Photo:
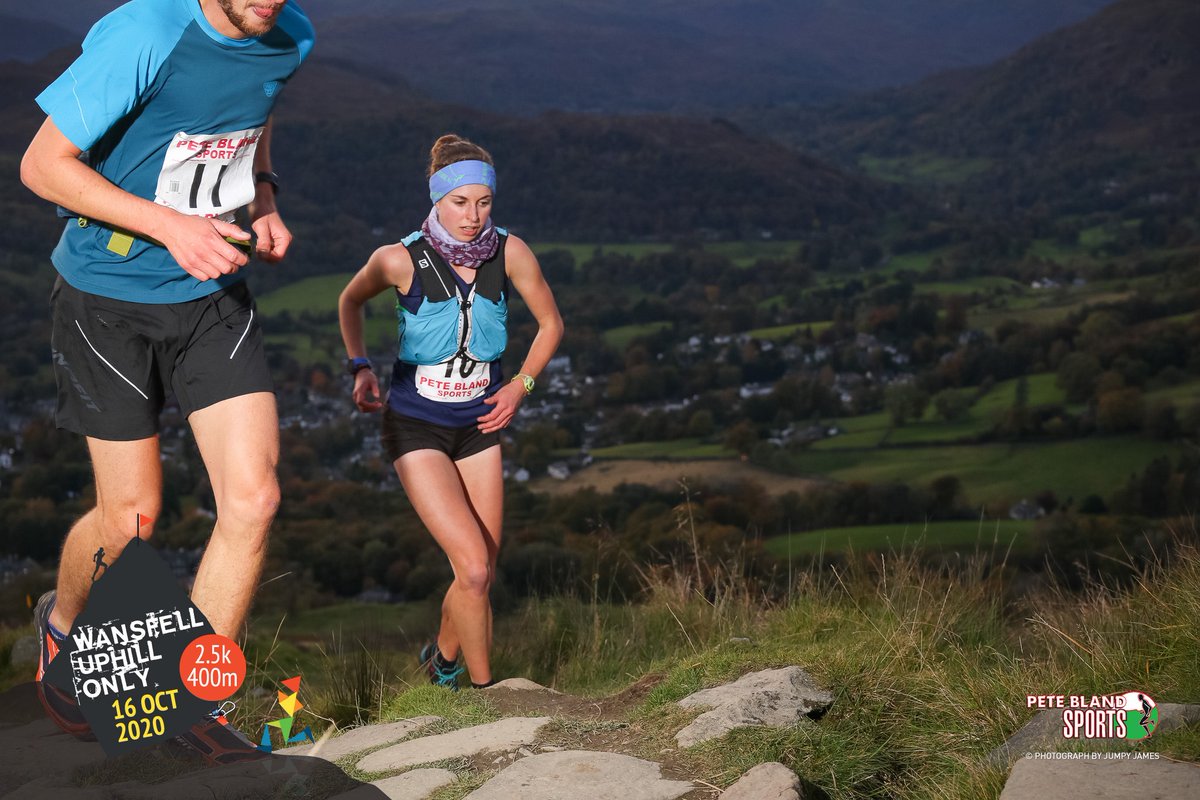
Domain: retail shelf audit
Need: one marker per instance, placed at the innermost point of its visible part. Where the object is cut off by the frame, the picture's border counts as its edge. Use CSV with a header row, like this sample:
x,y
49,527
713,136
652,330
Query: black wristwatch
x,y
357,364
267,177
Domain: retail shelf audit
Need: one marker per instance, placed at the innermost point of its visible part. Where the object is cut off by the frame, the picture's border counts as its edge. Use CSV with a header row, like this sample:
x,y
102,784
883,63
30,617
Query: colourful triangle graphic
x,y
291,705
285,725
265,744
283,697
278,723
293,683
304,734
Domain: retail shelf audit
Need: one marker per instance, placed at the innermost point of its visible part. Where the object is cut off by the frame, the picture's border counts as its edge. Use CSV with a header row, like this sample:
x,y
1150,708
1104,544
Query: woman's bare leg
x,y
443,493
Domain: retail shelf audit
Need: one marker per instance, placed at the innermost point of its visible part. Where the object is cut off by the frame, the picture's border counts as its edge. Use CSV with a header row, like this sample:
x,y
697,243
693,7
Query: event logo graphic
x,y
1132,716
141,661
291,704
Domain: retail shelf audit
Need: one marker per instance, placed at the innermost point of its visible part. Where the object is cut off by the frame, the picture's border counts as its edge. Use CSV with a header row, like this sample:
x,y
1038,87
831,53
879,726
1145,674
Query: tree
x,y
700,424
905,401
741,437
944,493
1161,420
1077,375
1120,410
952,404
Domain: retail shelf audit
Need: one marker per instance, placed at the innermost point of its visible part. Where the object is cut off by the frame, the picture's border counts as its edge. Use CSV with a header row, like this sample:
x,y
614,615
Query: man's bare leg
x,y
128,482
239,441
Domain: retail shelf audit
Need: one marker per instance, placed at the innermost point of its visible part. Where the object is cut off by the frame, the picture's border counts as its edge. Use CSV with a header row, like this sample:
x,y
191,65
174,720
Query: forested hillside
x,y
997,321
621,56
1102,115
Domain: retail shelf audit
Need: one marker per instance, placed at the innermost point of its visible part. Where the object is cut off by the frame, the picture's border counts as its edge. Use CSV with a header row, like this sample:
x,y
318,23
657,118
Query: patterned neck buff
x,y
465,254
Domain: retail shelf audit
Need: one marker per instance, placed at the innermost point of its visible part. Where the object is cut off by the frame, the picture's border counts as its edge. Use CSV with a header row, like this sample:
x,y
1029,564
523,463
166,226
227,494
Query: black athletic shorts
x,y
116,361
403,434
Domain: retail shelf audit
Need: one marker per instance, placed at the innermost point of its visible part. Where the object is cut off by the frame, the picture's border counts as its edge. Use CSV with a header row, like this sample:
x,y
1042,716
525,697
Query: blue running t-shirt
x,y
170,110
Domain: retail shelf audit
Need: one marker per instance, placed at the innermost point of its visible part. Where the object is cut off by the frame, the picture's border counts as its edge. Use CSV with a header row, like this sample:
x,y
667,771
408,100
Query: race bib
x,y
209,175
458,380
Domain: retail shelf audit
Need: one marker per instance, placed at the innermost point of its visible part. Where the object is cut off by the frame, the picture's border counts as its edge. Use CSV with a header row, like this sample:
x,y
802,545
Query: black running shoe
x,y
59,705
218,742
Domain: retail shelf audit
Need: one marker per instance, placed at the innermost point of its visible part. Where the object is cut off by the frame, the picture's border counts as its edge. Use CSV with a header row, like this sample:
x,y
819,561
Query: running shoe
x,y
218,742
439,675
41,626
60,706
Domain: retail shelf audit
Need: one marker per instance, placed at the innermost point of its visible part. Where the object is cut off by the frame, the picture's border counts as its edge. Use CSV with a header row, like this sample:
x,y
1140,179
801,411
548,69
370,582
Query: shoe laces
x,y
447,677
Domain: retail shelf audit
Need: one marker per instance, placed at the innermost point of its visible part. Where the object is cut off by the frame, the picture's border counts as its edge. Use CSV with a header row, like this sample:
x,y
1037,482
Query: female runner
x,y
448,400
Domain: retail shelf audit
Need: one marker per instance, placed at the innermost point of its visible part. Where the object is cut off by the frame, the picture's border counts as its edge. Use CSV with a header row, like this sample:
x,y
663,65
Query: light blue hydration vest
x,y
452,335
448,324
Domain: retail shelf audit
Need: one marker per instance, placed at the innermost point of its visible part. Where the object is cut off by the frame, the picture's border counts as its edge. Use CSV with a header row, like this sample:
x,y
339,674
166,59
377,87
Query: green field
x,y
315,295
782,332
620,338
1183,395
676,448
985,283
744,254
319,296
952,534
998,472
741,253
1042,309
924,168
583,252
322,342
870,430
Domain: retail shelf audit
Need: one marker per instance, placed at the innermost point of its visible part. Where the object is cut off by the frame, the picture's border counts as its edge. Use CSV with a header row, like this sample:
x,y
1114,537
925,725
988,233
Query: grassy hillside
x,y
929,669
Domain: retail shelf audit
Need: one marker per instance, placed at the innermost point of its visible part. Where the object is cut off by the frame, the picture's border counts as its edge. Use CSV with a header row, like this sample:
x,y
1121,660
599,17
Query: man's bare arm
x,y
273,236
51,169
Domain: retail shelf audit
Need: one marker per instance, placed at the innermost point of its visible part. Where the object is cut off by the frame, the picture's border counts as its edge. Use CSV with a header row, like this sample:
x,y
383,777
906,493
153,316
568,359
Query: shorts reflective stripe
x,y
105,360
243,336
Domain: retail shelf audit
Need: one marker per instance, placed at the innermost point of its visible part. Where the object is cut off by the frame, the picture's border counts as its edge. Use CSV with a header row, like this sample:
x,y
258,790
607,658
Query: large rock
x,y
770,781
359,740
507,734
1102,779
770,698
25,652
270,777
583,774
40,750
1044,733
415,785
522,685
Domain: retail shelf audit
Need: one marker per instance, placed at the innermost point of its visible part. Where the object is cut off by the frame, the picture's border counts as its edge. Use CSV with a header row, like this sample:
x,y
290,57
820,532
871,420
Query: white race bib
x,y
457,381
210,174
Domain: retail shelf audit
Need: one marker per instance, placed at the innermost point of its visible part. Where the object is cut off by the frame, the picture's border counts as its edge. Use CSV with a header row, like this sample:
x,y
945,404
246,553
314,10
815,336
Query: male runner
x,y
155,136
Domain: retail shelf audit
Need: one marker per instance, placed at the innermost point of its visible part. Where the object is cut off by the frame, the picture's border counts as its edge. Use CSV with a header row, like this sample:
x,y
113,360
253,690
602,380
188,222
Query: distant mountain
x,y
654,55
561,175
71,15
30,39
1106,107
352,149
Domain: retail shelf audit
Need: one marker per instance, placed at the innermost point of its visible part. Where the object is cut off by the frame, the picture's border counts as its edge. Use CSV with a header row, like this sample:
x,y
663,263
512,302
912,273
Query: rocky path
x,y
539,758
552,746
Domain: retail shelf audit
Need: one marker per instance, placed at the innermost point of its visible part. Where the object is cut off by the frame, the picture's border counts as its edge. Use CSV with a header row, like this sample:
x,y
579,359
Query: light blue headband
x,y
461,173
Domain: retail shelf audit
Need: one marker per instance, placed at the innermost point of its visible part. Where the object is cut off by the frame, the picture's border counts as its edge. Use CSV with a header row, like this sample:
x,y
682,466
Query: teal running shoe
x,y
440,672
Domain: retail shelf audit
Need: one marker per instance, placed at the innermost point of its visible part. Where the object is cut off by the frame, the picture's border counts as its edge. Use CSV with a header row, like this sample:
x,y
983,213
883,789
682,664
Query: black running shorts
x,y
116,361
403,434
